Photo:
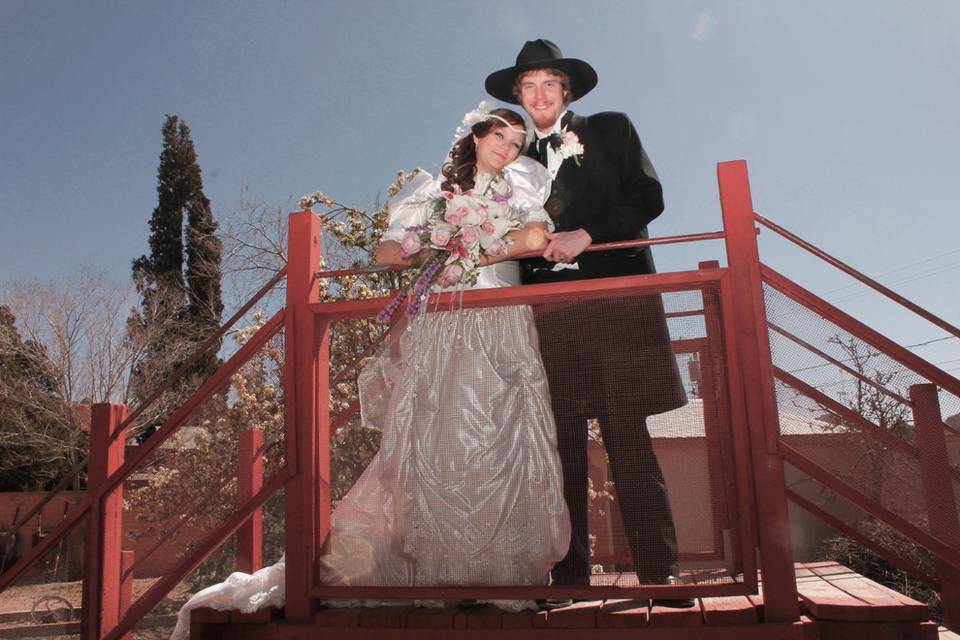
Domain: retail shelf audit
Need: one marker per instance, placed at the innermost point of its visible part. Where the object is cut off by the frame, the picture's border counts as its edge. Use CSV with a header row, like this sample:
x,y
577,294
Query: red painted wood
x,y
846,322
608,246
728,610
848,415
431,618
532,593
388,617
870,282
853,373
736,394
126,586
901,563
487,617
554,292
624,614
783,631
524,619
337,617
249,481
761,405
579,615
142,452
102,568
254,617
824,601
938,492
214,540
825,477
839,630
306,385
214,338
673,617
717,428
883,605
200,618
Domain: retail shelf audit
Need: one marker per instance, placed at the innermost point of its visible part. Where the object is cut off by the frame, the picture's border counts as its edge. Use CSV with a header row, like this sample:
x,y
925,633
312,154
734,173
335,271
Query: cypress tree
x,y
189,305
204,253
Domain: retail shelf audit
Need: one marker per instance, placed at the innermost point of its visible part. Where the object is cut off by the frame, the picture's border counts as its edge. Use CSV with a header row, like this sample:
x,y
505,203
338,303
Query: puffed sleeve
x,y
531,188
411,205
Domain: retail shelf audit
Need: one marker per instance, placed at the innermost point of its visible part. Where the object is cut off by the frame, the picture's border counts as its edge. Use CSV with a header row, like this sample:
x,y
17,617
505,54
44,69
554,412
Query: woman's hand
x,y
531,238
390,254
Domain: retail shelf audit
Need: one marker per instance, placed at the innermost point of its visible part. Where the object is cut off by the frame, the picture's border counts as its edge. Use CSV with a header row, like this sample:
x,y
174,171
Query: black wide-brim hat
x,y
542,54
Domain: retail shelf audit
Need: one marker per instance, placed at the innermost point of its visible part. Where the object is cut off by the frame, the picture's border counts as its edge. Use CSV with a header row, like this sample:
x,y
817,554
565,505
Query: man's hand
x,y
565,246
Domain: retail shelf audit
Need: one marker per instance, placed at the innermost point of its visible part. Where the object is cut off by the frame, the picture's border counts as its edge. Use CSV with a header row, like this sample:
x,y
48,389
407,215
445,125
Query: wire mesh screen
x,y
854,523
844,406
583,443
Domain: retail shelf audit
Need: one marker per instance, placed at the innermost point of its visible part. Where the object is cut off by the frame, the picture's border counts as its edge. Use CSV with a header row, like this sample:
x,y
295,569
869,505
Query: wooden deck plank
x,y
623,614
884,607
381,617
890,594
337,617
579,615
827,602
430,618
728,610
782,631
485,617
205,615
523,619
674,617
256,617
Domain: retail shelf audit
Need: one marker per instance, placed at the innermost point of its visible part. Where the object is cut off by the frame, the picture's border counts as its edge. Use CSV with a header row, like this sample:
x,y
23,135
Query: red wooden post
x,y
716,418
249,482
760,403
126,586
306,388
938,493
102,570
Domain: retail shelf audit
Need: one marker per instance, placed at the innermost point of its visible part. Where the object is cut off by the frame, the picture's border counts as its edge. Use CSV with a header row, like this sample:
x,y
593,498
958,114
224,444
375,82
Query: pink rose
x,y
451,275
496,248
454,216
487,227
470,235
440,236
410,245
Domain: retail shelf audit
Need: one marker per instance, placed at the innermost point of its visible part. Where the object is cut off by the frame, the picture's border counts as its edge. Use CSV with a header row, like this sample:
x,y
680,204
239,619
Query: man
x,y
608,359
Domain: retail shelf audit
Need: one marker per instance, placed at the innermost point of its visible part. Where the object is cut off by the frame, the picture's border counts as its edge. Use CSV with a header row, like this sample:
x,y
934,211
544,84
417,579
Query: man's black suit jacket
x,y
613,194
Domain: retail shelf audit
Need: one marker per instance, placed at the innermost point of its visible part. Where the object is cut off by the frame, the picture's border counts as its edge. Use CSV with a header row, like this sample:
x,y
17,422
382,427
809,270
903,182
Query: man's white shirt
x,y
554,160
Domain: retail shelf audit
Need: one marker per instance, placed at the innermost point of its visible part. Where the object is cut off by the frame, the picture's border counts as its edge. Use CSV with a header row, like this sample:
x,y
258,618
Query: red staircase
x,y
769,421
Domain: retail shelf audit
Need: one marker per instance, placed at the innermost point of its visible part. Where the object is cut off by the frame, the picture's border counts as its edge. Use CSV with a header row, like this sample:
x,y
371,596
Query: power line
x,y
935,271
898,269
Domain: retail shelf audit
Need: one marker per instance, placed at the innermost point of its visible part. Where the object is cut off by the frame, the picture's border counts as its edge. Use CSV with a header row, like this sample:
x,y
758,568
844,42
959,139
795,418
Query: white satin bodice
x,y
530,185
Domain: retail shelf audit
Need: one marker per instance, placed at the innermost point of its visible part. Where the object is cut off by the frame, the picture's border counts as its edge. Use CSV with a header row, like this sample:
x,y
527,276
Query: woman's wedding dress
x,y
466,488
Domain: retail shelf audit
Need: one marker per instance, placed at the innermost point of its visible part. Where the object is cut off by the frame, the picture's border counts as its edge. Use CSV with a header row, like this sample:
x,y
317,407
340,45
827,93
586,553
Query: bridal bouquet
x,y
463,227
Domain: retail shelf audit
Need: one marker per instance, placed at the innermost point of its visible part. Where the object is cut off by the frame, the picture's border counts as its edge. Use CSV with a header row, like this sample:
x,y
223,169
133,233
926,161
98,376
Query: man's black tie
x,y
542,150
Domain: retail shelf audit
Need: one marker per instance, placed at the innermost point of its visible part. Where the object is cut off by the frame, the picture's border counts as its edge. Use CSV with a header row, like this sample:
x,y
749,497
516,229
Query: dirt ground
x,y
59,602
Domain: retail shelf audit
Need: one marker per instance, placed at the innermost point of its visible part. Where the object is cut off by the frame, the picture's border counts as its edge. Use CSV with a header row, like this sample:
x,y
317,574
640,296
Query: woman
x,y
466,488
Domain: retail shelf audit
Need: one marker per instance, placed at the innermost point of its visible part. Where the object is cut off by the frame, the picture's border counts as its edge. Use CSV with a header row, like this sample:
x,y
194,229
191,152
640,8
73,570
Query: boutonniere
x,y
567,144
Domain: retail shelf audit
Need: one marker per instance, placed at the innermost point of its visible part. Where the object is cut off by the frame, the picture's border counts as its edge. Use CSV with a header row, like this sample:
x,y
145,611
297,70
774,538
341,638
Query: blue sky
x,y
845,111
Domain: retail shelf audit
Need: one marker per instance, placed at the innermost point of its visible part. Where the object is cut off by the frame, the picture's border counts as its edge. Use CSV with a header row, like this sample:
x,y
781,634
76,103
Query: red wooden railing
x,y
736,316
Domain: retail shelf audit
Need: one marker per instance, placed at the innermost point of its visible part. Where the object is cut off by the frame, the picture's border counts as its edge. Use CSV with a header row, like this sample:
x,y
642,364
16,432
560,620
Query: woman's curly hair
x,y
461,170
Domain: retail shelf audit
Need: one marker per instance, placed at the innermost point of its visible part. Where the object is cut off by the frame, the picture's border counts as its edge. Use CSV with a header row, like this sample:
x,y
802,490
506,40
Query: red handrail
x,y
605,246
153,397
173,422
865,279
